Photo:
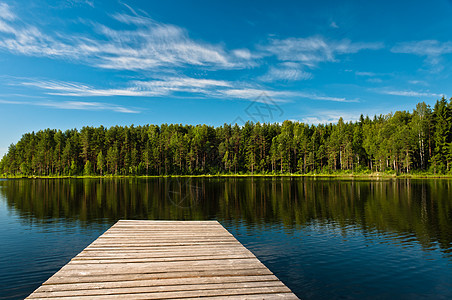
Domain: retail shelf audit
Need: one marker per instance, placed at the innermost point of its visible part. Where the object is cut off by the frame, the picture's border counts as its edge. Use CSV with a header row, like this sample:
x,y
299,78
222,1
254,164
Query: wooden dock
x,y
164,260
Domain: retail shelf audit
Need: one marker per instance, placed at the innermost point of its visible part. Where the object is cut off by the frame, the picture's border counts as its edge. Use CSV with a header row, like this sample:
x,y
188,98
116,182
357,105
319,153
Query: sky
x,y
74,63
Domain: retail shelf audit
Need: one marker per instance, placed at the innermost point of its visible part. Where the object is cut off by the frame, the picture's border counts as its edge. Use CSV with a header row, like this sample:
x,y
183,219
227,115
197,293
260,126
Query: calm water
x,y
325,239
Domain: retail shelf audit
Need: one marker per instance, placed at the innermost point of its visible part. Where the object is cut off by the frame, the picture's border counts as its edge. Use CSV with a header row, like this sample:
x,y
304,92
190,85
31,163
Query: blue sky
x,y
68,64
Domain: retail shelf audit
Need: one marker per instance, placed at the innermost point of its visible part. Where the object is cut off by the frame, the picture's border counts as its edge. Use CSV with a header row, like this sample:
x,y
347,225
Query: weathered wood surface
x,y
164,260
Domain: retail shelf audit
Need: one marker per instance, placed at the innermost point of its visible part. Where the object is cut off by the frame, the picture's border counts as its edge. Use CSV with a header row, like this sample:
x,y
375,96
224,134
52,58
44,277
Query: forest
x,y
396,143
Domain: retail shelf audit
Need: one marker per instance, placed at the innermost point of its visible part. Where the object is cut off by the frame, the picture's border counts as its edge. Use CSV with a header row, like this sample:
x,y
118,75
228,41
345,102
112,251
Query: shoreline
x,y
335,176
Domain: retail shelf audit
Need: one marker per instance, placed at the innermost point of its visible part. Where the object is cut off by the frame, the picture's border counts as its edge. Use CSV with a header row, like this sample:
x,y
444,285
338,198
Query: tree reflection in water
x,y
397,208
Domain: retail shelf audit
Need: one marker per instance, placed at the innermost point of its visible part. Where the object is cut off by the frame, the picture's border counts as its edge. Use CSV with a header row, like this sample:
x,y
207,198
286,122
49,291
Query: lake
x,y
324,238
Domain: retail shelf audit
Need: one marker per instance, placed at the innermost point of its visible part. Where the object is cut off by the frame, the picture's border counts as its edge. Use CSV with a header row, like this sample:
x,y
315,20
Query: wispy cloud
x,y
148,45
242,53
183,83
431,49
374,77
255,93
288,71
313,50
6,13
418,82
75,105
20,38
326,117
79,2
171,85
218,89
424,48
81,90
152,44
82,105
368,74
409,93
150,88
281,96
374,80
328,98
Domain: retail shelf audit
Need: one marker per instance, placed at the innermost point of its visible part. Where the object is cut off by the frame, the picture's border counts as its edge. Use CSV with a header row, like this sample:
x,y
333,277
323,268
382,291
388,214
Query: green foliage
x,y
399,143
87,170
100,162
74,168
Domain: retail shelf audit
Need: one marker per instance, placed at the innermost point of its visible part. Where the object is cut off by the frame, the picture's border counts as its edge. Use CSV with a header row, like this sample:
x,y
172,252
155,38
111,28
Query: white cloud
x,y
29,40
202,87
368,74
333,25
80,90
170,85
346,46
147,45
166,86
313,50
75,3
10,102
242,53
182,84
424,48
6,13
418,82
328,98
255,93
135,19
326,117
82,105
286,72
431,49
151,45
151,88
280,96
410,93
75,105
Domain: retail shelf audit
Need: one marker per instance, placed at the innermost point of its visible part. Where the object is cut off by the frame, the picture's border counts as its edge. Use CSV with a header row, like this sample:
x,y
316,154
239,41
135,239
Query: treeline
x,y
402,142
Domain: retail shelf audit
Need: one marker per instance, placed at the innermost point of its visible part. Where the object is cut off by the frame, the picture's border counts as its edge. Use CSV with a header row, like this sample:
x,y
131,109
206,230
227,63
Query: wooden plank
x,y
60,278
162,253
157,254
161,244
112,260
169,264
272,296
166,236
94,291
154,282
252,297
186,247
143,239
169,231
173,249
166,222
127,294
138,259
99,270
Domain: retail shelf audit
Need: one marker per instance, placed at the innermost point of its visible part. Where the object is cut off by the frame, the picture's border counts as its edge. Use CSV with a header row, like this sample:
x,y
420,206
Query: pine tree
x,y
100,162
